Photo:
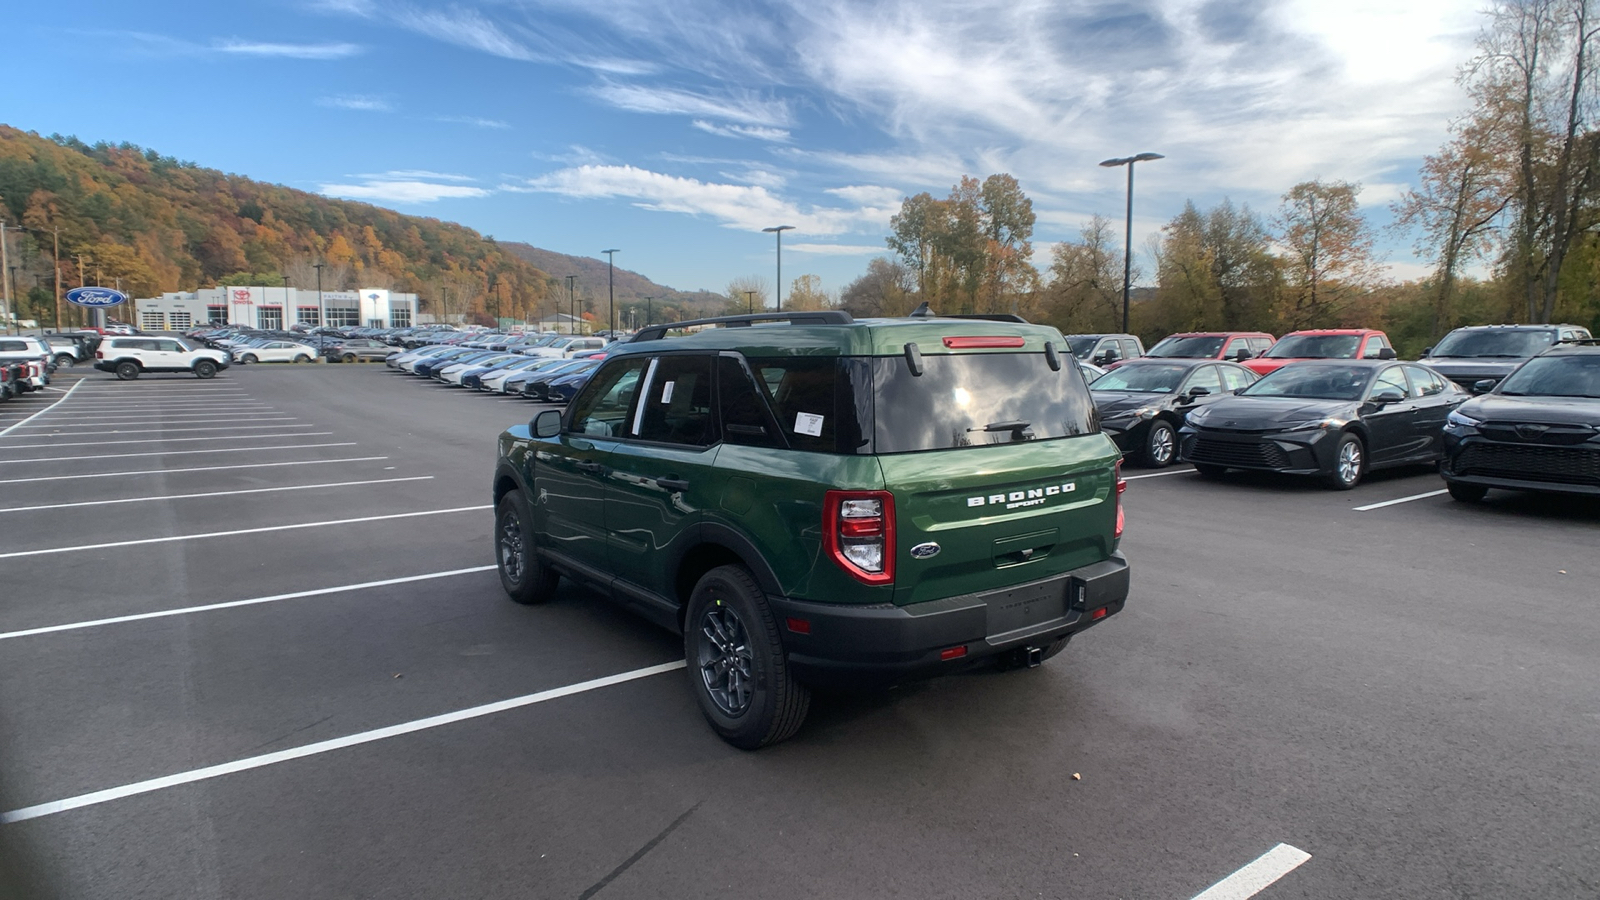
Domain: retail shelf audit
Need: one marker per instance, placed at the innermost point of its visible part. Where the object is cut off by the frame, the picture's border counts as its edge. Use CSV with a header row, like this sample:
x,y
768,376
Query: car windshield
x,y
1315,346
1187,348
1313,383
1493,344
1555,376
1083,345
1150,379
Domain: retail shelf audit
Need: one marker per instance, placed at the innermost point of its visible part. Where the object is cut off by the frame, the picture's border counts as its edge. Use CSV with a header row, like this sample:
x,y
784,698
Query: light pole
x,y
322,312
647,311
778,230
572,304
1127,240
611,290
750,300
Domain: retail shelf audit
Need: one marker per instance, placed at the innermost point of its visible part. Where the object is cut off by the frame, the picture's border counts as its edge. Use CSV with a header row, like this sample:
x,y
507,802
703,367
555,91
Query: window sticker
x,y
666,392
806,423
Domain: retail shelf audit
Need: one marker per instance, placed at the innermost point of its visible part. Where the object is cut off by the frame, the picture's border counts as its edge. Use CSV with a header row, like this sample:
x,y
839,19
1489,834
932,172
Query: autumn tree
x,y
1328,262
1214,270
747,292
1085,291
884,290
806,295
972,250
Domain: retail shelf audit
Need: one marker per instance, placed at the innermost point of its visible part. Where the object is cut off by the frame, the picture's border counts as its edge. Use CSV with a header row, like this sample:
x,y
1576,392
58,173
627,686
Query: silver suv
x,y
130,357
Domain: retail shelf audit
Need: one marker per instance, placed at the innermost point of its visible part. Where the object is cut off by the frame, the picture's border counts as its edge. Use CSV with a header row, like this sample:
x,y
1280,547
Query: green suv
x,y
813,500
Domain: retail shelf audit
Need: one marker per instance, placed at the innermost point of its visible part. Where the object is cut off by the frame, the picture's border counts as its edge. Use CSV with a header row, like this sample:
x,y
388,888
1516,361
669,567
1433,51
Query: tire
x,y
1209,470
1349,463
737,668
247,359
301,358
205,368
1466,493
525,577
1160,445
127,371
348,357
65,361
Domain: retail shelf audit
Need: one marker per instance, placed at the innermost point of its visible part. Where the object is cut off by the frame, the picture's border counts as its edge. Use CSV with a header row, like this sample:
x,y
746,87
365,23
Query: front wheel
x,y
127,371
65,361
1160,445
348,357
247,359
525,577
205,368
1466,493
1349,462
301,358
737,668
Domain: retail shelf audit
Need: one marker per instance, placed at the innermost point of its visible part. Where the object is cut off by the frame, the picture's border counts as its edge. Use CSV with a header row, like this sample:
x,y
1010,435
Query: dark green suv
x,y
815,500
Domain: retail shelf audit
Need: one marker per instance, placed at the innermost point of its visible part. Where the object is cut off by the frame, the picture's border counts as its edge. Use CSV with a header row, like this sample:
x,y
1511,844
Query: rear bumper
x,y
850,646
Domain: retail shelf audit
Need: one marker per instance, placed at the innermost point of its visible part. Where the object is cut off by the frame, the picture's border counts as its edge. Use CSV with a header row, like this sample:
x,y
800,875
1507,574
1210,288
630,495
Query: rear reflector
x,y
798,626
983,341
953,652
1098,614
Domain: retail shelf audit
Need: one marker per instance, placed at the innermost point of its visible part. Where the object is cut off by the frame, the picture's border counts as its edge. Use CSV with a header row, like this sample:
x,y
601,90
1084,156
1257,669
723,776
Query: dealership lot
x,y
252,644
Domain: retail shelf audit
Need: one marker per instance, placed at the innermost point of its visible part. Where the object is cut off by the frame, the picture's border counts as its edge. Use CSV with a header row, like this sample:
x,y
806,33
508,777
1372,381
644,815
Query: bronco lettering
x,y
1020,499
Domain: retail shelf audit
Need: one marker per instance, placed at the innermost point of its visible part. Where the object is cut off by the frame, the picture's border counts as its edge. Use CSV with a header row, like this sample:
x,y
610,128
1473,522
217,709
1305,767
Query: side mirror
x,y
546,424
1243,354
1483,386
1196,392
1426,351
1386,353
1388,395
1101,359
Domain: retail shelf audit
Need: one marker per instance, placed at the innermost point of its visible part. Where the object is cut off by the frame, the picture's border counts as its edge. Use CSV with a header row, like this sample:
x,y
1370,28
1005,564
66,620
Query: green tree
x,y
1085,291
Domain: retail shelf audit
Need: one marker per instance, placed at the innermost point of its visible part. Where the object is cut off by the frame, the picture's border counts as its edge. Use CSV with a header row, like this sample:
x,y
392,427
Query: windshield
x,y
1187,348
1313,383
1493,344
1555,376
1083,345
1315,346
1157,379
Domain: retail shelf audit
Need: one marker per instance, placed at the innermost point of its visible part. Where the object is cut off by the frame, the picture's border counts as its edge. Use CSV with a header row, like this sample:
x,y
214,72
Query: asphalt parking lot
x,y
252,645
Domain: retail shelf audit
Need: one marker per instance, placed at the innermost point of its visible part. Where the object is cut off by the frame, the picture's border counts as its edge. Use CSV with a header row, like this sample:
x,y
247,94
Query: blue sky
x,y
677,130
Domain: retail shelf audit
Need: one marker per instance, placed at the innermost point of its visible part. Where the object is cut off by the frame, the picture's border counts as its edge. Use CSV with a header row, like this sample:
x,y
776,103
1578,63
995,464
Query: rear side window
x,y
975,400
1424,382
1130,350
13,346
678,408
821,403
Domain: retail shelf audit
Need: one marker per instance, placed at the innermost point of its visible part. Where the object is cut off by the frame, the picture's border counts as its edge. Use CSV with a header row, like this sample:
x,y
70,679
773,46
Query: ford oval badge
x,y
925,551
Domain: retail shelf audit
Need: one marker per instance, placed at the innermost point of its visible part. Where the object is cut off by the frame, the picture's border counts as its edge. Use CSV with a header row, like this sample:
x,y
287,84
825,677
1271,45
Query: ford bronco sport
x,y
811,499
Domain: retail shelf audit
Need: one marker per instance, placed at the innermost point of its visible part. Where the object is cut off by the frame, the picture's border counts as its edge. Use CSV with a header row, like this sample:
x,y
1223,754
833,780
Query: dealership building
x,y
275,308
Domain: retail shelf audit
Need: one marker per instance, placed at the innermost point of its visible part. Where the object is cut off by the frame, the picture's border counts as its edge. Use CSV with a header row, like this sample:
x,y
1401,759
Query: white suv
x,y
32,353
130,357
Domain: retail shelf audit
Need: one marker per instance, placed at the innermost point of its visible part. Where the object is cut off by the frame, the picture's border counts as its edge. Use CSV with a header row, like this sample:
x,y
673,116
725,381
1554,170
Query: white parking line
x,y
41,412
120,410
1401,500
220,437
365,737
238,531
1257,875
177,420
1158,474
270,490
166,430
231,604
301,462
53,459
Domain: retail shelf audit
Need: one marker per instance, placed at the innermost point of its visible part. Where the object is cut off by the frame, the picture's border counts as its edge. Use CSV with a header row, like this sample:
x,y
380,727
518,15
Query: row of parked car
x,y
547,368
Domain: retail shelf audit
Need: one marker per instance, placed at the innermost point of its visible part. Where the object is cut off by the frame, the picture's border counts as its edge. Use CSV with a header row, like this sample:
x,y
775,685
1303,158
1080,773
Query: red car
x,y
1236,346
1324,343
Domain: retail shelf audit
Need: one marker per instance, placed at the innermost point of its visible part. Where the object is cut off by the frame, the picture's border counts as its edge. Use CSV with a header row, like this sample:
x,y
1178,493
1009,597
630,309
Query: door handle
x,y
672,484
593,468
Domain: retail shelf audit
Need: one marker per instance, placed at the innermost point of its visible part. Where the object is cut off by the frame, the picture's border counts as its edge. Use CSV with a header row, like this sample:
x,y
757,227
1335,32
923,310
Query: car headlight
x,y
1309,424
1461,420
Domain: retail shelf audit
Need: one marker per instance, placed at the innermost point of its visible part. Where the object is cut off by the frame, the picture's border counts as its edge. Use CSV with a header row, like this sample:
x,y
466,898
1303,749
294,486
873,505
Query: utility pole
x,y
750,299
83,281
322,312
5,261
647,311
611,290
572,304
56,281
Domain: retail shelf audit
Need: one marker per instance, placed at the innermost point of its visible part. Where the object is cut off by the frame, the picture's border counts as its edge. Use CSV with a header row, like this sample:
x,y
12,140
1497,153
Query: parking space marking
x,y
1158,474
154,430
220,437
270,490
271,465
232,604
365,737
1257,875
178,420
52,459
41,412
1425,496
119,409
140,542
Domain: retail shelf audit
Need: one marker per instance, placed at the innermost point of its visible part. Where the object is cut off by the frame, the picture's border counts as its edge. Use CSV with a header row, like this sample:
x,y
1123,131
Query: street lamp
x,y
322,312
647,310
750,298
572,305
611,291
1127,241
778,230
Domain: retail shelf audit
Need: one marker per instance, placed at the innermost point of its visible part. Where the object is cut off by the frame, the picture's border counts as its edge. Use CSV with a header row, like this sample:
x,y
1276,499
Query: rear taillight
x,y
99,354
1121,486
858,531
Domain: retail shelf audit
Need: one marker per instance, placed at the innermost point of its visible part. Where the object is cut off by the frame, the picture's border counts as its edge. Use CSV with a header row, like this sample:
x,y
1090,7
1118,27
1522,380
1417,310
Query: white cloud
x,y
464,28
290,51
742,131
409,174
838,249
402,191
868,195
474,121
739,106
356,102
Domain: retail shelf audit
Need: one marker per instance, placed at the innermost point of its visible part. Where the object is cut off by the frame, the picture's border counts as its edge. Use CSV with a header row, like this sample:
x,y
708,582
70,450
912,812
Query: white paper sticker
x,y
806,423
666,392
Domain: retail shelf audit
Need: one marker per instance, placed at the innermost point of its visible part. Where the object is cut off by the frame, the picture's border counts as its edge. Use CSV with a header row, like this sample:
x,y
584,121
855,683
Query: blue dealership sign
x,y
96,296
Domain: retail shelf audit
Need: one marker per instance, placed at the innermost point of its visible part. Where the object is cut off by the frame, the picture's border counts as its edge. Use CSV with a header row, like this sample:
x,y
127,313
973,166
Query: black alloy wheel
x,y
205,368
737,668
523,575
127,371
1160,445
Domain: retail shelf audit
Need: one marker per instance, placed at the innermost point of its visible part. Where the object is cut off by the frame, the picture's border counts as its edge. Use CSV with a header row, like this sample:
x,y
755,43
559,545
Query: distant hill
x,y
631,287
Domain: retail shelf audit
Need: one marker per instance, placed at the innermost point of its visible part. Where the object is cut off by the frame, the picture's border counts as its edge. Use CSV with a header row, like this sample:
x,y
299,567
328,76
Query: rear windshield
x,y
1315,346
863,405
1187,348
1494,344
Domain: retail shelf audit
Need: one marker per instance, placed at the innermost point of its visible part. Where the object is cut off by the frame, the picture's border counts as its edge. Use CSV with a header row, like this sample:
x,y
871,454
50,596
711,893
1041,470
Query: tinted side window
x,y
1234,346
678,408
12,346
602,408
1260,345
744,418
169,346
1130,350
1205,377
814,402
1424,382
1375,345
1234,377
1391,377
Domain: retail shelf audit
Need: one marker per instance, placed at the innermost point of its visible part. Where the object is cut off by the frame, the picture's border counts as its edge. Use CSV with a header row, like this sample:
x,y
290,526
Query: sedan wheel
x,y
247,359
1349,460
1161,445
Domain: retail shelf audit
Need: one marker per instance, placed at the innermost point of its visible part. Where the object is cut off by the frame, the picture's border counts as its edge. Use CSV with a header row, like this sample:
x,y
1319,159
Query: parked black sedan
x,y
1538,430
1337,419
1142,402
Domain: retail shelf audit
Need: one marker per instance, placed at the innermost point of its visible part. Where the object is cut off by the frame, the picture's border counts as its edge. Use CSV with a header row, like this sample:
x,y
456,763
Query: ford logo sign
x,y
96,296
925,551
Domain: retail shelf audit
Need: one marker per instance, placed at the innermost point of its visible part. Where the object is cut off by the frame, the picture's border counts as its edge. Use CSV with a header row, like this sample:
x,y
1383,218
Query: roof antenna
x,y
923,312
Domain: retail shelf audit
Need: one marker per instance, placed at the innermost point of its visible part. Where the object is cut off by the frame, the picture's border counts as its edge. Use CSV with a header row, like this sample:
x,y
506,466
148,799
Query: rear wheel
x,y
1349,462
247,359
65,360
301,358
205,368
348,357
1160,445
127,371
1466,493
523,574
737,668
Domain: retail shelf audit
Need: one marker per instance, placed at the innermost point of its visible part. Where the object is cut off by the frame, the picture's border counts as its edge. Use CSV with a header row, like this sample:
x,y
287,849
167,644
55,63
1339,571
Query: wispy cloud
x,y
838,249
474,121
404,174
465,28
405,187
290,51
756,132
737,106
359,102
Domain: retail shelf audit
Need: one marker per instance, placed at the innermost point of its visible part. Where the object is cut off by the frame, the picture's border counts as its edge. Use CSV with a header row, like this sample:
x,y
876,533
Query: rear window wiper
x,y
1017,427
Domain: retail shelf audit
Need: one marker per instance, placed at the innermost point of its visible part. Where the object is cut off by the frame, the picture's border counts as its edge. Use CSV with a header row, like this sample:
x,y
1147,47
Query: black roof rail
x,y
988,317
820,317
